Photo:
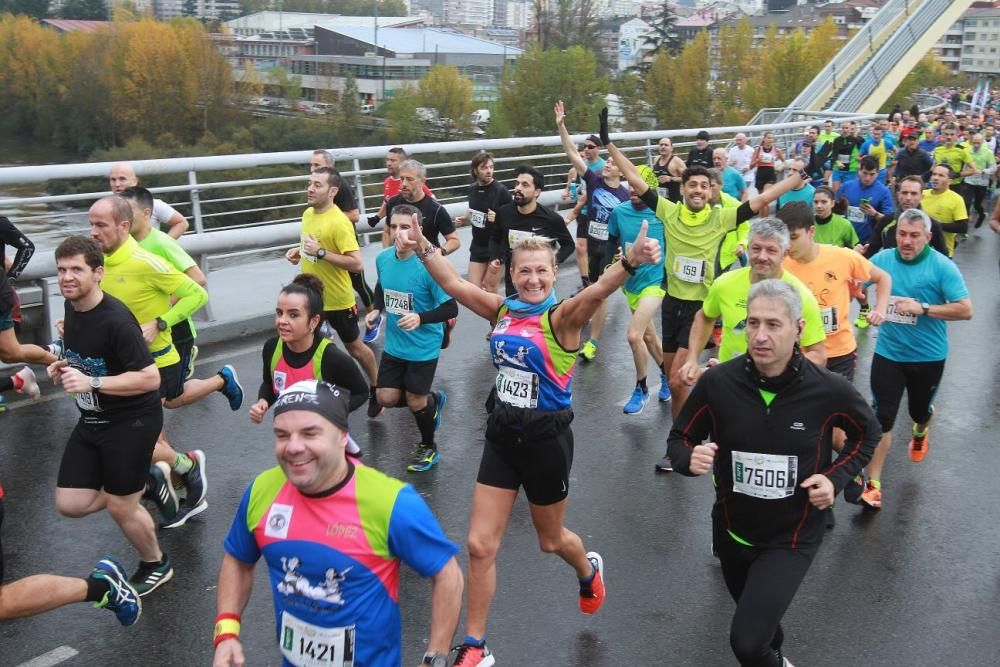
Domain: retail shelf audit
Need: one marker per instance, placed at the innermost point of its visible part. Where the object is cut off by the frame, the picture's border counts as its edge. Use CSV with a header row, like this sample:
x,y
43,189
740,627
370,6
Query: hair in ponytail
x,y
311,288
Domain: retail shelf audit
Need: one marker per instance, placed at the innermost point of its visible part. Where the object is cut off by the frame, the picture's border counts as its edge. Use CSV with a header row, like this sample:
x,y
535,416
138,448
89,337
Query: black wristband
x,y
629,269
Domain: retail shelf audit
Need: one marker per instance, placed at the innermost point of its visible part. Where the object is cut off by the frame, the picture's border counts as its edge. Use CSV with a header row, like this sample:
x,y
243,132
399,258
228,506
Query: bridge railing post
x,y
199,225
359,193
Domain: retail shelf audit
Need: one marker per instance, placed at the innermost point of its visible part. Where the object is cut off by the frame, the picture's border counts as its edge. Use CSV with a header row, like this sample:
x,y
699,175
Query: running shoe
x,y
449,325
162,490
195,479
854,489
150,576
664,464
589,350
372,333
424,458
637,401
592,593
57,348
3,405
871,498
231,387
439,403
374,409
918,446
186,511
473,655
664,389
862,322
121,598
190,369
29,385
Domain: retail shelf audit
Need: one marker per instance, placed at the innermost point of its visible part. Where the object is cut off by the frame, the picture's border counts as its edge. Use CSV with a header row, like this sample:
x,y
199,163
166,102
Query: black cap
x,y
329,401
702,135
595,140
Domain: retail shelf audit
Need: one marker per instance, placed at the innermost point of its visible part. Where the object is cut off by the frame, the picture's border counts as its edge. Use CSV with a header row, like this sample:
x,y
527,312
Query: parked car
x,y
367,108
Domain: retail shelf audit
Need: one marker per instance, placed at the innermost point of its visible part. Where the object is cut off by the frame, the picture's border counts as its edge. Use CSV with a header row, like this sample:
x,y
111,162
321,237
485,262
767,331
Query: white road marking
x,y
201,361
53,657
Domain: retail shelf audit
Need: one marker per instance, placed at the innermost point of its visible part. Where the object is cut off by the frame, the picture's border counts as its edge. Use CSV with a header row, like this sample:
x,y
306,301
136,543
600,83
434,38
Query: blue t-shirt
x,y
408,288
601,200
804,194
932,278
596,166
626,221
733,183
878,197
334,561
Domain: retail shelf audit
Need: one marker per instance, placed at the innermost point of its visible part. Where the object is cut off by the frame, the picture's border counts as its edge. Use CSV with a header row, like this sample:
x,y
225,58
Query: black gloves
x,y
605,139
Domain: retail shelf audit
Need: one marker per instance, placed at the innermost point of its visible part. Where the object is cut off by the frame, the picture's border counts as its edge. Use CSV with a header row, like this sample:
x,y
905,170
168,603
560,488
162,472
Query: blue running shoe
x,y
121,598
424,459
231,387
637,402
3,405
442,398
372,333
664,389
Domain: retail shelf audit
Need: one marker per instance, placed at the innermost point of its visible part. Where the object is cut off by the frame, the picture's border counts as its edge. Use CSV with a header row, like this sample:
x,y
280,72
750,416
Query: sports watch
x,y
96,382
321,253
160,324
927,308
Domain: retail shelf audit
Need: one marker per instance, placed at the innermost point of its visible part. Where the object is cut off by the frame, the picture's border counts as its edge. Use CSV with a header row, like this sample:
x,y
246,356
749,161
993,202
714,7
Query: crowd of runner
x,y
753,254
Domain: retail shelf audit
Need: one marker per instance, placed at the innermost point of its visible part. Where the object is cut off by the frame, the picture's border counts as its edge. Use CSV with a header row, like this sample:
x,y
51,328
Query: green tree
x,y
737,66
927,73
289,87
529,88
347,111
84,10
450,93
636,112
663,36
687,72
565,23
38,9
404,126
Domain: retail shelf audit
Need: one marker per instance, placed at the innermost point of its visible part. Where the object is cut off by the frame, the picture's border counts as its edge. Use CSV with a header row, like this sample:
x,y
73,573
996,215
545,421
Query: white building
x,y
210,9
468,12
270,21
630,48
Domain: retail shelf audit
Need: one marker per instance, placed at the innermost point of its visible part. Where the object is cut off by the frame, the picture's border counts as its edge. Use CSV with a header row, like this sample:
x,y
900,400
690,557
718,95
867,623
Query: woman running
x,y
299,353
534,344
832,227
765,160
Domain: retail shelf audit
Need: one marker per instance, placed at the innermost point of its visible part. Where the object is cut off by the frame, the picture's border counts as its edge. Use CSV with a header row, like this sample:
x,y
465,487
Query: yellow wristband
x,y
227,626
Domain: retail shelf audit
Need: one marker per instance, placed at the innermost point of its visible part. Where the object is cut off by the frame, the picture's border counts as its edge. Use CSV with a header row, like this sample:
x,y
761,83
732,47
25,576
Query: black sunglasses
x,y
589,147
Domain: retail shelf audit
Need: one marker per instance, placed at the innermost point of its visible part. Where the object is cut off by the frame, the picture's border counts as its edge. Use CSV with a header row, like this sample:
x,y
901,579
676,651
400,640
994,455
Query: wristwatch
x,y
927,308
436,659
160,324
321,253
96,382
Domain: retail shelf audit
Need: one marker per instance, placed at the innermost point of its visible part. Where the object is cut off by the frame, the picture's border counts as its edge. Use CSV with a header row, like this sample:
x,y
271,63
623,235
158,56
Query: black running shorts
x,y
920,379
582,225
414,377
539,462
479,252
172,377
114,456
844,365
676,318
345,323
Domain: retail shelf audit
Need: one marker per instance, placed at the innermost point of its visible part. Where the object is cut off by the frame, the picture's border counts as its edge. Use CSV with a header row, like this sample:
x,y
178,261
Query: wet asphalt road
x,y
917,584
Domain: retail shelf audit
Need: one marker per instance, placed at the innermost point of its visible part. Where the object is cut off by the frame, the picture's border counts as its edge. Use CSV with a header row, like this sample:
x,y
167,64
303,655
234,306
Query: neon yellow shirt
x,y
144,283
945,207
727,298
335,234
955,157
166,246
693,240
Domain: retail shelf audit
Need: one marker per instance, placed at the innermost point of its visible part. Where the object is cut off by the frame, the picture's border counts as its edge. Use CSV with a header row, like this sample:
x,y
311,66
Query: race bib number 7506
x,y
767,476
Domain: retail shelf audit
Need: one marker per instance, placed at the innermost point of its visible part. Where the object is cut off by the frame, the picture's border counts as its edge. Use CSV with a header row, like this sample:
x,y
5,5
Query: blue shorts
x,y
843,176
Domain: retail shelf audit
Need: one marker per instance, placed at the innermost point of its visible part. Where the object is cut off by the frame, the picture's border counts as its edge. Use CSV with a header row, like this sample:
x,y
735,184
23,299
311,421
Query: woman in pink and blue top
x,y
534,344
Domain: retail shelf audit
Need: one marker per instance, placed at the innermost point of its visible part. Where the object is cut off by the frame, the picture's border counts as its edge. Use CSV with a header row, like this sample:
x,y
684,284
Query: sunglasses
x,y
589,147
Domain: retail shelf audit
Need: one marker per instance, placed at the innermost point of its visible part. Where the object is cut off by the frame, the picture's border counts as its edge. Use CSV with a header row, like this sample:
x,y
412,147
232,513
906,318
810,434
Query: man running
x,y
802,193
770,416
123,176
605,191
417,308
843,153
525,218
700,154
486,196
669,169
391,187
329,249
946,206
732,180
108,367
927,291
333,535
910,195
740,155
437,220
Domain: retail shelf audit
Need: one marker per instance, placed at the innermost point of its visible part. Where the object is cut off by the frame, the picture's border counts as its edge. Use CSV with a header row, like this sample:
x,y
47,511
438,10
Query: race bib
x,y
689,270
598,230
280,381
766,476
766,159
87,400
477,218
398,303
830,319
518,388
302,250
307,645
892,315
844,161
662,192
515,236
855,215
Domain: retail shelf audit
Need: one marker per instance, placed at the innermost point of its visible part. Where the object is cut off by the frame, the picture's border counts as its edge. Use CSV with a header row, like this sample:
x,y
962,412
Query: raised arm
x,y
631,174
793,181
568,145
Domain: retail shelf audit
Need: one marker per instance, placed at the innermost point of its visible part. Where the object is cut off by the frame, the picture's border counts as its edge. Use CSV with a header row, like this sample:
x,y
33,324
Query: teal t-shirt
x,y
804,194
625,223
930,278
408,288
597,166
733,183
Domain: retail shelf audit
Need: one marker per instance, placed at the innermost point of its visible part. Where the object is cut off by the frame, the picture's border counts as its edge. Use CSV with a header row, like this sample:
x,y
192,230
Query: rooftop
x,y
425,40
271,20
72,25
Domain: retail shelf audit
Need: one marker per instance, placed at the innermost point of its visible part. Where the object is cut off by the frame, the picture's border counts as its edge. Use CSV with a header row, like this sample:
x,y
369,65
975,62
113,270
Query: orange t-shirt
x,y
830,277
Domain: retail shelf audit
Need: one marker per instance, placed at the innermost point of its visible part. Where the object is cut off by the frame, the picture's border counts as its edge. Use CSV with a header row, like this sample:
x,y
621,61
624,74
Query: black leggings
x,y
362,288
979,195
889,378
763,582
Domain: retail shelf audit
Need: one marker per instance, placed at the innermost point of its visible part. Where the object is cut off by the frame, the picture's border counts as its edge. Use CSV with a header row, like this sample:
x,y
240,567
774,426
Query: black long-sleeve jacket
x,y
727,407
12,236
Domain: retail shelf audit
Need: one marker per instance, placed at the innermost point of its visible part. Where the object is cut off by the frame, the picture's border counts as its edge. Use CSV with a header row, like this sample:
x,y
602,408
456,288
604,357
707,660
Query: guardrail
x,y
281,229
